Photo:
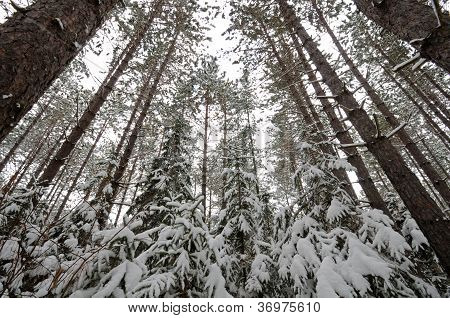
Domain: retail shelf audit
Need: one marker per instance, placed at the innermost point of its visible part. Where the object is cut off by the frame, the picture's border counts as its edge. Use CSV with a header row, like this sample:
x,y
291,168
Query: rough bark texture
x,y
432,221
437,181
96,103
409,21
27,67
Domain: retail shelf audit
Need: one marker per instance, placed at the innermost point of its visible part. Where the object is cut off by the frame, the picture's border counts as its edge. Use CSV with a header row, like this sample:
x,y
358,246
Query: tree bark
x,y
437,181
410,21
432,221
224,108
96,103
252,151
36,45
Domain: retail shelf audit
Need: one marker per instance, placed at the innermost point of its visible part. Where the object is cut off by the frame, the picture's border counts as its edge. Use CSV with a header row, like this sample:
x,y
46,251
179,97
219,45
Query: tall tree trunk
x,y
36,45
437,181
142,93
435,159
125,191
434,126
414,86
45,161
23,168
115,183
425,180
436,85
344,137
432,221
411,21
74,183
252,151
205,150
436,101
95,104
22,137
298,100
223,106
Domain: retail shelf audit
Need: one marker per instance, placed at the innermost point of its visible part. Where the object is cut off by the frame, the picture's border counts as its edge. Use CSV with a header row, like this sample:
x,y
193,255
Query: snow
x,y
336,210
108,236
10,249
215,283
111,281
329,283
60,23
71,243
108,189
387,238
411,228
77,45
13,207
154,286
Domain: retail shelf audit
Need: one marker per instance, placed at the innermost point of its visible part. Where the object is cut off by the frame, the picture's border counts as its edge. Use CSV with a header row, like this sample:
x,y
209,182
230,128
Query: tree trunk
x,y
130,176
438,182
205,150
436,85
430,187
45,161
434,126
223,105
435,159
298,100
95,104
344,137
143,92
411,21
23,168
36,45
252,151
80,172
137,128
414,87
432,221
22,137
